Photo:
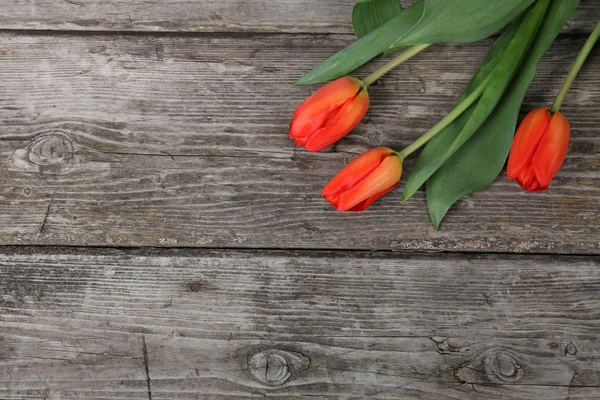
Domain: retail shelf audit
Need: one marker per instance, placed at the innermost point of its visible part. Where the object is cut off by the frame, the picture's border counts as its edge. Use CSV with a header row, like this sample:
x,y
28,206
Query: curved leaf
x,y
477,164
462,21
366,48
437,152
370,14
426,22
444,139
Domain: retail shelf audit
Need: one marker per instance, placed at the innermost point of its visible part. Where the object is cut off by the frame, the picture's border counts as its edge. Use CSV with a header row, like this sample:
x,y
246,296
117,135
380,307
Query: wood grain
x,y
287,16
180,141
174,134
189,324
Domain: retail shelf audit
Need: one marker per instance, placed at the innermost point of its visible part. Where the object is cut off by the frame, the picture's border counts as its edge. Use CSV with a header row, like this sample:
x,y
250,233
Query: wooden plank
x,y
134,140
177,324
290,16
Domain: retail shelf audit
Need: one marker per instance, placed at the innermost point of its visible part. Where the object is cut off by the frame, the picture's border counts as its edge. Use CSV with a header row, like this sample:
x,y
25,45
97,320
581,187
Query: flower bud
x,y
364,180
538,149
329,114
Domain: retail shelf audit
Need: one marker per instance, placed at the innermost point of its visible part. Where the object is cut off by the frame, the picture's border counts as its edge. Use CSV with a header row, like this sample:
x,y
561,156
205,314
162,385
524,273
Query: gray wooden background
x,y
161,238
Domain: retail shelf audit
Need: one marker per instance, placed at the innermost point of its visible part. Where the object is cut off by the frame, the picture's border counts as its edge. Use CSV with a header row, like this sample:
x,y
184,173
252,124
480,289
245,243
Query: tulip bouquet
x,y
467,149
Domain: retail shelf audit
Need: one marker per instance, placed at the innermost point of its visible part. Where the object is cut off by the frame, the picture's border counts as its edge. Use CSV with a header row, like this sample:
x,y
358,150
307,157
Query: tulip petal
x,y
337,91
526,141
356,170
363,205
552,149
339,123
528,180
304,125
386,175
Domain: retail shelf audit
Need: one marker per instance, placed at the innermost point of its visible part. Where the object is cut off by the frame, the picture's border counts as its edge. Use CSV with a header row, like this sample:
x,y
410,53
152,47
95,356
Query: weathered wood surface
x,y
180,139
183,141
290,16
194,324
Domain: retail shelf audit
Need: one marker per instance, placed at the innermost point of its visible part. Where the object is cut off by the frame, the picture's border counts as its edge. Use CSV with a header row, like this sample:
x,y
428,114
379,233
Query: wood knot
x,y
274,367
571,350
493,366
51,149
376,137
502,367
49,153
201,286
196,287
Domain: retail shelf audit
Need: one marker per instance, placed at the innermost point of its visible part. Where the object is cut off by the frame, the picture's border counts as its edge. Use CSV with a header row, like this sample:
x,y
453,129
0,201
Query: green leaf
x,y
445,138
479,162
366,48
370,14
426,22
445,144
463,21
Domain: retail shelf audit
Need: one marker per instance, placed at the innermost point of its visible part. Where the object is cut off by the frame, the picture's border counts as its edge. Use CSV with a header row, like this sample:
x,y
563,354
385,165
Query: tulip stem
x,y
447,120
408,54
585,52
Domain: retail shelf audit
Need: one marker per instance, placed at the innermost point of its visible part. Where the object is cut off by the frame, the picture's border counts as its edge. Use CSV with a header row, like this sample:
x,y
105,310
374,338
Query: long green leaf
x,y
441,148
463,21
428,21
366,48
371,14
477,164
445,138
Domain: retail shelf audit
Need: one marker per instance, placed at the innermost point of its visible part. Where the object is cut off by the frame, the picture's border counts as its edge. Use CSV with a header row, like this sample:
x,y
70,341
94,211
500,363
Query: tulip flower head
x,y
329,114
538,149
364,180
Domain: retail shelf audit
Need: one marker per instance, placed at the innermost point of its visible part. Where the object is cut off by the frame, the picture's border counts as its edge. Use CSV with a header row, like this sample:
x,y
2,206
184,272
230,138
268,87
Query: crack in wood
x,y
146,366
43,227
75,3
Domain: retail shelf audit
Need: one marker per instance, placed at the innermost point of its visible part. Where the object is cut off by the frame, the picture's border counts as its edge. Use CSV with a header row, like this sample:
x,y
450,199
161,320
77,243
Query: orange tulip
x,y
364,180
329,114
538,149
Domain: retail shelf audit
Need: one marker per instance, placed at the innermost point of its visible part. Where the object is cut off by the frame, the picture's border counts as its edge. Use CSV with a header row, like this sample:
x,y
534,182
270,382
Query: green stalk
x,y
585,52
447,120
408,54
